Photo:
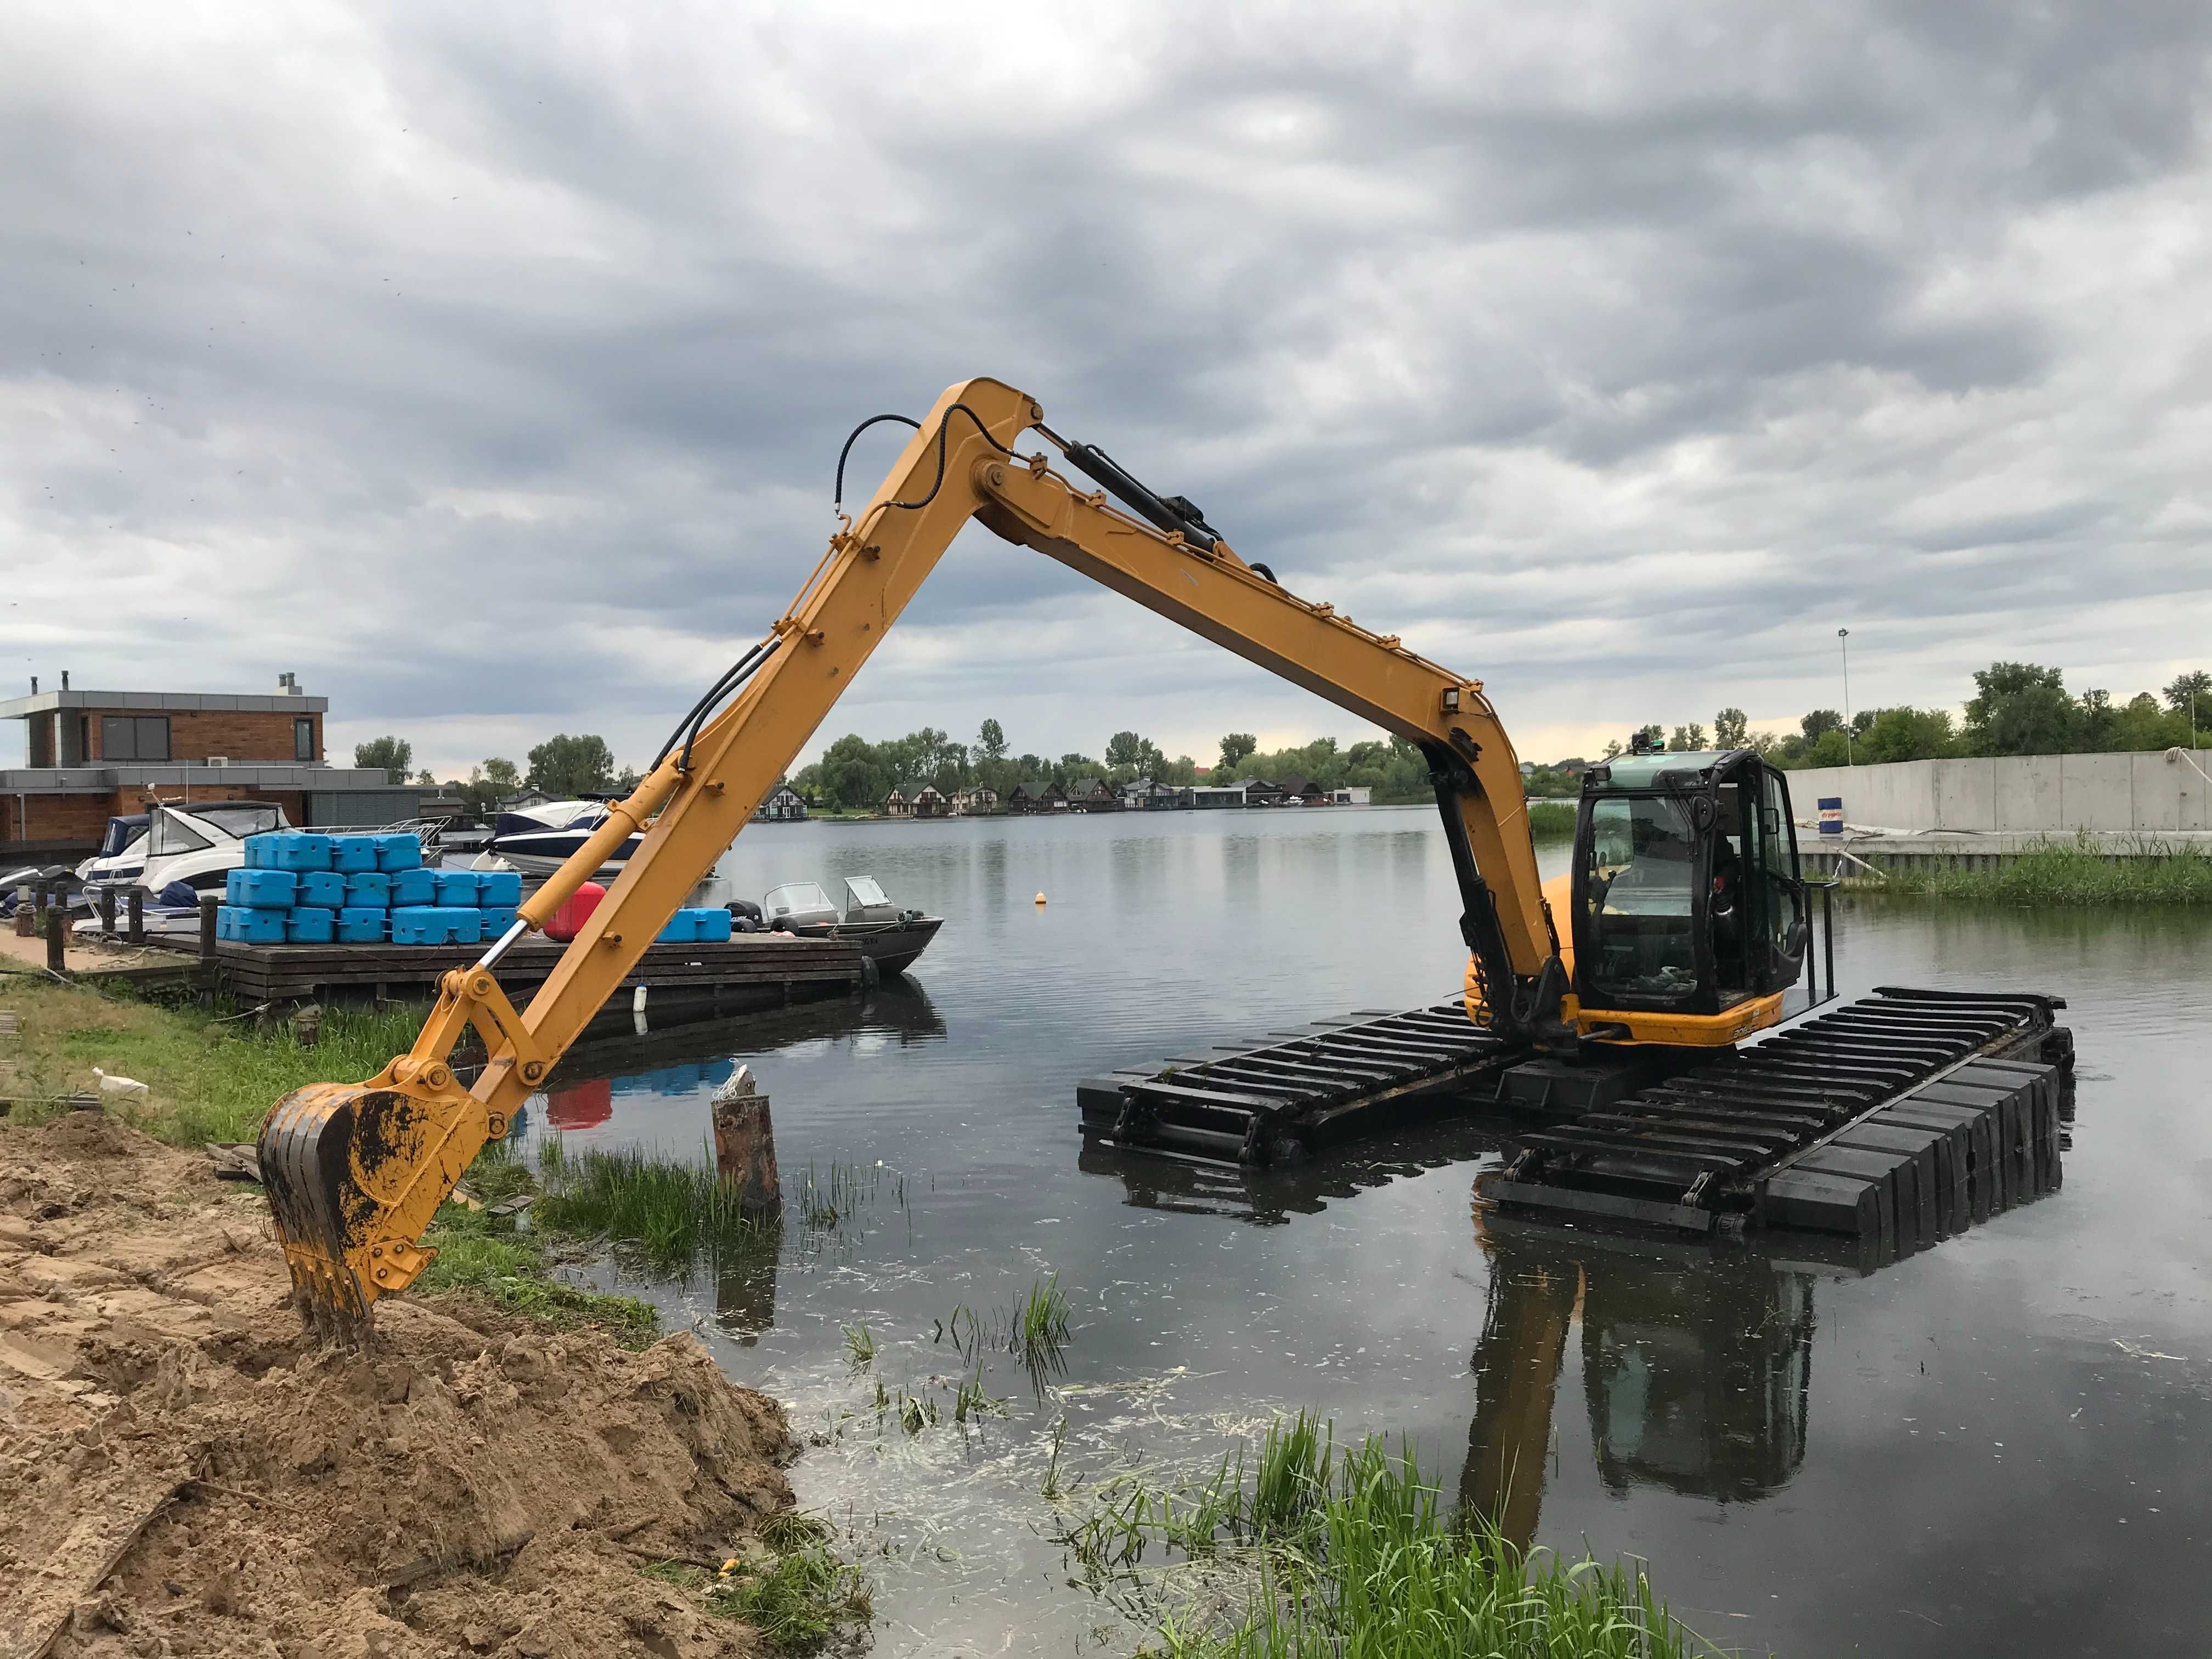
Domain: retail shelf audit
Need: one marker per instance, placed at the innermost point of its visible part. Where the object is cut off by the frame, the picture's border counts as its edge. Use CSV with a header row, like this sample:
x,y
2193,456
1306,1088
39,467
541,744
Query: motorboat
x,y
122,855
892,937
539,840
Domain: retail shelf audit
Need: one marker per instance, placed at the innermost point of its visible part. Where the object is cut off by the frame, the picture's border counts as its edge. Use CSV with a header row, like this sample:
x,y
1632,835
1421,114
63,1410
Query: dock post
x,y
136,925
209,904
744,1146
57,918
107,912
27,904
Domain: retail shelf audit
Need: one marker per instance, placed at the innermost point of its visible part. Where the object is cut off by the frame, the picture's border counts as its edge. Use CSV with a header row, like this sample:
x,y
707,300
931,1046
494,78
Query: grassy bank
x,y
2061,874
1349,1552
212,1076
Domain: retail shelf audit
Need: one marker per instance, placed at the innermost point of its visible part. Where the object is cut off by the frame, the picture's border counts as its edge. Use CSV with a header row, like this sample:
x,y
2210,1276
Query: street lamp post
x,y
1844,636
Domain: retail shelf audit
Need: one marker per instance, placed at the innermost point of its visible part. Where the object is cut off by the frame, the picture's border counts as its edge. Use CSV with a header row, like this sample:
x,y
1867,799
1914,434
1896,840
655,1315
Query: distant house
x,y
1204,795
1354,794
784,805
931,803
1258,792
896,805
1304,790
1093,795
1040,796
979,802
523,800
1146,796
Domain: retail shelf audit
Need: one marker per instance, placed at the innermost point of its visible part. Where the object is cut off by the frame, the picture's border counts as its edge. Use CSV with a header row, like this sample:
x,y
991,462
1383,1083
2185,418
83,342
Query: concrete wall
x,y
2039,794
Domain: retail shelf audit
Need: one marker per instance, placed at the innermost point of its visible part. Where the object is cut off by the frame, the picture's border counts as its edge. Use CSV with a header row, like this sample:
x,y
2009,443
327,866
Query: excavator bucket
x,y
354,1174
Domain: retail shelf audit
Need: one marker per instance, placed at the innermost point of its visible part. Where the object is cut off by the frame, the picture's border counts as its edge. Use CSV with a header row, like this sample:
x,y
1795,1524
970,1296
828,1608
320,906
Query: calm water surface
x,y
2000,1444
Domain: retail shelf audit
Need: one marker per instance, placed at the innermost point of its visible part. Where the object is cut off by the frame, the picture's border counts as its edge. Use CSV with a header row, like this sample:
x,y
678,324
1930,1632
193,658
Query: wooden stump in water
x,y
744,1146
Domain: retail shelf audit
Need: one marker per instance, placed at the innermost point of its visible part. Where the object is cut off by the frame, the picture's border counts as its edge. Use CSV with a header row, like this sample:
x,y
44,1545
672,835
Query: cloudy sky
x,y
486,365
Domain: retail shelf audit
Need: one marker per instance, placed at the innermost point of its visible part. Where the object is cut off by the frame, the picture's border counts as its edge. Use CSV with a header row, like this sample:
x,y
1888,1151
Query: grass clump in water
x,y
859,1346
1037,1327
1349,1554
2060,874
671,1213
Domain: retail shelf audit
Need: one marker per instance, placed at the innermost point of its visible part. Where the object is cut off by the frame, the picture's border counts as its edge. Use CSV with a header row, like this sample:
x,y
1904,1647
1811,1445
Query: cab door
x,y
1780,909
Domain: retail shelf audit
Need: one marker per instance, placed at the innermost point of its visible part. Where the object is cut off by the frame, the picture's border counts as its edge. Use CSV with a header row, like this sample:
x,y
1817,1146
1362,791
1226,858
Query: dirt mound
x,y
181,1473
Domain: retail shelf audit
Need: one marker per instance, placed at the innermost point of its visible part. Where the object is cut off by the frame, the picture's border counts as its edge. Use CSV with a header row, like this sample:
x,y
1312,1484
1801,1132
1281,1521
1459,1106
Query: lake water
x,y
2001,1444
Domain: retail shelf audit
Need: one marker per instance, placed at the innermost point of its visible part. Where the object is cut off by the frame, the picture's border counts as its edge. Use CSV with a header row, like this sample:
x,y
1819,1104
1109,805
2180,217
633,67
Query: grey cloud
x,y
1679,334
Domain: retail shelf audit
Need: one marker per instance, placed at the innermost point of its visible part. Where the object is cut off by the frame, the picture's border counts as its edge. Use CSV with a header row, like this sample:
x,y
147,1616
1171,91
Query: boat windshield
x,y
121,832
1639,889
798,898
241,818
864,890
171,833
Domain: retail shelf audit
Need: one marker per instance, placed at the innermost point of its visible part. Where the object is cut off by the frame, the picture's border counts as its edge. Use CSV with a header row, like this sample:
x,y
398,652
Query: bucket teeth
x,y
306,1165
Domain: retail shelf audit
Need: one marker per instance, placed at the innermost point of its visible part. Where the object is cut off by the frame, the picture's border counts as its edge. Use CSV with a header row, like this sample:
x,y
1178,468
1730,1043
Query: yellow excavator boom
x,y
355,1171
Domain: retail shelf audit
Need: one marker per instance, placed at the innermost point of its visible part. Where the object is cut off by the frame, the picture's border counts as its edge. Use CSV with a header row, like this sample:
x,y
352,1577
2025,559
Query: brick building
x,y
95,755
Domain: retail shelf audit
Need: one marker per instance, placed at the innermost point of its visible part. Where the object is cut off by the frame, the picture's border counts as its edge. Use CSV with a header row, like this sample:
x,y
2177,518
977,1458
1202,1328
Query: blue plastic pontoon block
x,y
456,887
369,890
259,851
682,928
351,853
495,919
497,887
255,927
422,924
299,849
711,924
310,924
398,852
414,886
321,889
266,889
362,924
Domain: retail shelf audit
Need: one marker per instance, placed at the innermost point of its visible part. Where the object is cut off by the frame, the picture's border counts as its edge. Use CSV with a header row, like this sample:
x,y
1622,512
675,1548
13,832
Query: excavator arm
x,y
355,1171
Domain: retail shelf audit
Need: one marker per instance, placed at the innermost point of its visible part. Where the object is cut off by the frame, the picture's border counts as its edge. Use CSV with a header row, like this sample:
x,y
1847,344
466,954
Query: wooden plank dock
x,y
751,972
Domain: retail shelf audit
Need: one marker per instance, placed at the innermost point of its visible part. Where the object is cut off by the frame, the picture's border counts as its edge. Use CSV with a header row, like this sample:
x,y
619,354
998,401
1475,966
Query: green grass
x,y
2057,875
487,1256
670,1213
859,1346
1551,820
798,1602
211,1078
1037,1328
1349,1554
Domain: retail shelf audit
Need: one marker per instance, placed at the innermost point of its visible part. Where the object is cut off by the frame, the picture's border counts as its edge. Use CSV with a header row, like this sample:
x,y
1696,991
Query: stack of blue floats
x,y
300,888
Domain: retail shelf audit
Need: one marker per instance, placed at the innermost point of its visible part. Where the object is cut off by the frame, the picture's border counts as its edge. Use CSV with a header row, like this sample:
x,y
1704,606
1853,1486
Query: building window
x,y
303,739
134,736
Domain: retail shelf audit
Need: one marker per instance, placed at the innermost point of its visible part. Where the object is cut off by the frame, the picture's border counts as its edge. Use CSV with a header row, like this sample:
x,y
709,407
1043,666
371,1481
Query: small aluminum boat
x,y
892,937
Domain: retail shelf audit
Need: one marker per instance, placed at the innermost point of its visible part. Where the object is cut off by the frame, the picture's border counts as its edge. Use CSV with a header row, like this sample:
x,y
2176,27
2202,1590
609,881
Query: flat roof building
x,y
92,755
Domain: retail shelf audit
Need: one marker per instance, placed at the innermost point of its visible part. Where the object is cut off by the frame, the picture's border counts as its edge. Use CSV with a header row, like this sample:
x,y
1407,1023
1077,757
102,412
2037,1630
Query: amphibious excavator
x,y
1685,922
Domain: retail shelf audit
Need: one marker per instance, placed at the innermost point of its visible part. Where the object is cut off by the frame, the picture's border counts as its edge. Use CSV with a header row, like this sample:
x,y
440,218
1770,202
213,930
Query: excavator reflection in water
x,y
1697,1367
1696,1355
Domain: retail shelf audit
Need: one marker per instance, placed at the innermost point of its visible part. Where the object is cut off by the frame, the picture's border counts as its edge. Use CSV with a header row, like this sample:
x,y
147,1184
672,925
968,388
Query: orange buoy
x,y
1039,898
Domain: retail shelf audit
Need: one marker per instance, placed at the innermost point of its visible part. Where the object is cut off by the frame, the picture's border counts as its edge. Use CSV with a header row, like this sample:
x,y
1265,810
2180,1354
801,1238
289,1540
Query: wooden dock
x,y
751,972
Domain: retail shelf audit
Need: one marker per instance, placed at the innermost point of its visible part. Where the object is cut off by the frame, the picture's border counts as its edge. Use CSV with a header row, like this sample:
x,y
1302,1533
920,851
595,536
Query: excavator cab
x,y
1687,898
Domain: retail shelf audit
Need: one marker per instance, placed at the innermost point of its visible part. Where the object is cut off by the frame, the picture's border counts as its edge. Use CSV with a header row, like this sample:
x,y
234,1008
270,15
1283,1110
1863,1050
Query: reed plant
x,y
1551,820
669,1213
2059,875
1351,1553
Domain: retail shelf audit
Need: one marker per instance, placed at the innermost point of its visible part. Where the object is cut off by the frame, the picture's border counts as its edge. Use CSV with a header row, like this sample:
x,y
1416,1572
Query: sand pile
x,y
181,1473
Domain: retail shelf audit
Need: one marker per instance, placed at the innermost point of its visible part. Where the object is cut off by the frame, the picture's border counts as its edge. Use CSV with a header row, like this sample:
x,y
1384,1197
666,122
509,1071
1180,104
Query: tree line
x,y
2017,708
565,767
